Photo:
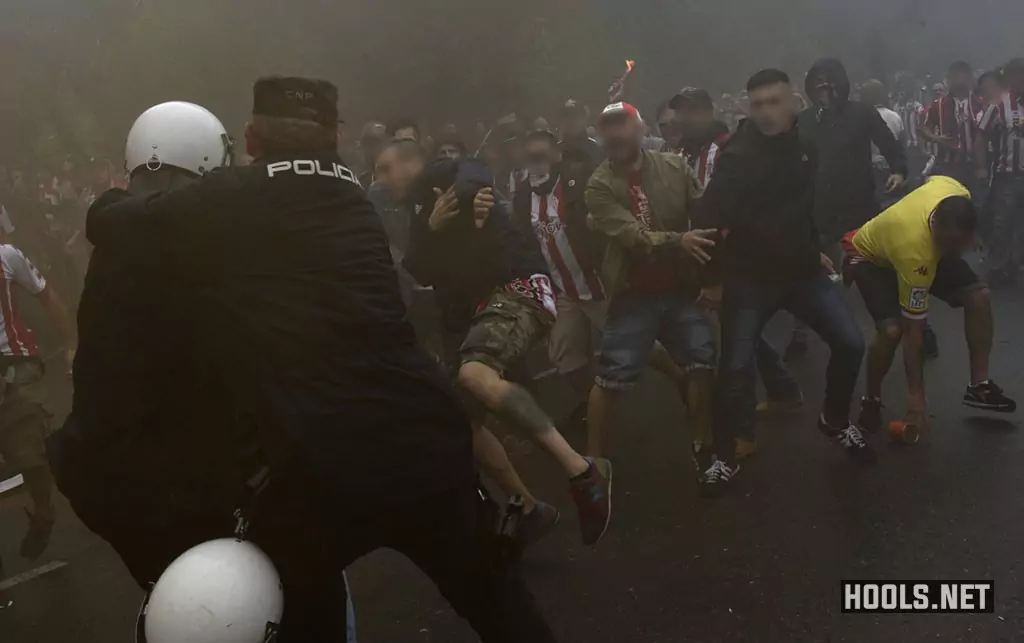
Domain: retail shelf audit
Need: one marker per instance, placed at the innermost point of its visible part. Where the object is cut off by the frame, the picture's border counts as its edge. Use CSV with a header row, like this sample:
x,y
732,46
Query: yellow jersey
x,y
901,238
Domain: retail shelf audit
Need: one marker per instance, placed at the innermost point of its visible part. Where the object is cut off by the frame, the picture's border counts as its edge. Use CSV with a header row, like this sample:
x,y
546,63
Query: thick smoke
x,y
78,72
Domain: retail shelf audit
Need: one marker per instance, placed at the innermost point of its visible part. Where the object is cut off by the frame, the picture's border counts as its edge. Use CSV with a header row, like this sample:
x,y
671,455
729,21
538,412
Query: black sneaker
x,y
930,343
536,525
988,396
37,538
717,478
851,440
870,418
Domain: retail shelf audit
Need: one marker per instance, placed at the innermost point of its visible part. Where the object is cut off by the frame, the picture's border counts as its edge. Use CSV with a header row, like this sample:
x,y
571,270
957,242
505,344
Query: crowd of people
x,y
308,341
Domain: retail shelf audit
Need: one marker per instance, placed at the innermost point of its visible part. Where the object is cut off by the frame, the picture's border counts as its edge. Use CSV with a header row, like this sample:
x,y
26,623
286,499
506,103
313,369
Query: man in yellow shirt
x,y
898,259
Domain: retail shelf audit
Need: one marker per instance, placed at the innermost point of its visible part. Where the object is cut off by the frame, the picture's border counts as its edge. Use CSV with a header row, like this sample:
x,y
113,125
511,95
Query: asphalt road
x,y
763,564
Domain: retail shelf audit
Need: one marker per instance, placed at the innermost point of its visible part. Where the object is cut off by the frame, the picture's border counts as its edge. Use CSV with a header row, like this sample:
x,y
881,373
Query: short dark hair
x,y
454,141
407,149
396,124
957,212
960,67
767,77
541,135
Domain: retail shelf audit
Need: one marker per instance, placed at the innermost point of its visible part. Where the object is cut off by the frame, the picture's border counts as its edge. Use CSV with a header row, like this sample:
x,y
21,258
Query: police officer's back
x,y
298,301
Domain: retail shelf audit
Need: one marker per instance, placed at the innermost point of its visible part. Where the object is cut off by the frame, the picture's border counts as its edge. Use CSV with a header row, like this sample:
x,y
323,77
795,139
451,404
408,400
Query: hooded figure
x,y
842,133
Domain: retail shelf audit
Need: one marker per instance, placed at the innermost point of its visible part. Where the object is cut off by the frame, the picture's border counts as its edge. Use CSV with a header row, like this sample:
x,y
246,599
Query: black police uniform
x,y
298,306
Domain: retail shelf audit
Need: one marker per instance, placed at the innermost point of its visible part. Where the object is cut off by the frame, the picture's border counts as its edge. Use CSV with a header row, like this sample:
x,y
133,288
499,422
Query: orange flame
x,y
629,65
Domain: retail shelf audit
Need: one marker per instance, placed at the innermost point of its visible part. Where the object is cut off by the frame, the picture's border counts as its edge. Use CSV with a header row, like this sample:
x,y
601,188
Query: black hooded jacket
x,y
842,135
761,197
463,263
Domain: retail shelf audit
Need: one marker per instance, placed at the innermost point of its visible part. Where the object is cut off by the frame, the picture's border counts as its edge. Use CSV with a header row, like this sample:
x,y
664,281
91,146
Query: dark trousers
x,y
747,305
449,534
1007,233
779,385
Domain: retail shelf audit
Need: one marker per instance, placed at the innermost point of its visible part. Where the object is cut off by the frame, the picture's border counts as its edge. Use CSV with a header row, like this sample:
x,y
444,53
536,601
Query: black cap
x,y
306,99
573,106
691,97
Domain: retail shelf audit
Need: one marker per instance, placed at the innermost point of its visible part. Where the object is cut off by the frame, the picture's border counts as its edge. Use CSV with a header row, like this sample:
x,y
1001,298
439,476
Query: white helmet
x,y
222,591
183,135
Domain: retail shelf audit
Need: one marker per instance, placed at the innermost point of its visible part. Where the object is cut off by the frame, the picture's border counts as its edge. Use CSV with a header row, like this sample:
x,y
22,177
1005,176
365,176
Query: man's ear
x,y
253,144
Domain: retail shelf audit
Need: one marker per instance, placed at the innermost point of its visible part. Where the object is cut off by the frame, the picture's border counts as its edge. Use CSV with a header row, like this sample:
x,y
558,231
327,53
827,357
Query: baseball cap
x,y
573,106
691,97
619,109
305,99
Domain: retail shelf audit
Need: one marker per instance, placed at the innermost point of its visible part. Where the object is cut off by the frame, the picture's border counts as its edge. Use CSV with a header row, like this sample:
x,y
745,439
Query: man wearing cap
x,y
300,312
700,134
577,146
640,201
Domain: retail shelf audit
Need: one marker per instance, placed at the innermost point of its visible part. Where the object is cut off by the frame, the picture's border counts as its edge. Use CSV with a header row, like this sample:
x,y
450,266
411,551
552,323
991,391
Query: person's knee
x,y
977,299
890,333
476,378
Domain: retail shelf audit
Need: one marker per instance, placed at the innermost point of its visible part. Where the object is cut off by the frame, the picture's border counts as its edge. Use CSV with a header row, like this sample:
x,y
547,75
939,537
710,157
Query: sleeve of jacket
x,y
419,257
177,230
614,220
720,205
887,144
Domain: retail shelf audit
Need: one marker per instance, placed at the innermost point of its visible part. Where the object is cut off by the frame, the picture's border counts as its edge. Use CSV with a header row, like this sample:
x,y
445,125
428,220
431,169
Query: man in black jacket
x,y
761,198
842,132
495,295
297,305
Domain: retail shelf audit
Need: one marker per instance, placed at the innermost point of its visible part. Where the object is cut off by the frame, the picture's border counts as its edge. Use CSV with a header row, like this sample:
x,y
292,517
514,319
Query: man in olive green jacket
x,y
640,201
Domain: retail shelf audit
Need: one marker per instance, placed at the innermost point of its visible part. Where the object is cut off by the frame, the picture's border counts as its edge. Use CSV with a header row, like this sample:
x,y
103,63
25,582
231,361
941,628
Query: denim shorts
x,y
635,320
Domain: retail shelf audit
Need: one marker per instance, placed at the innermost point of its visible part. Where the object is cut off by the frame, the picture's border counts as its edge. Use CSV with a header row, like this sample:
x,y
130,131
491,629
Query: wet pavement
x,y
762,564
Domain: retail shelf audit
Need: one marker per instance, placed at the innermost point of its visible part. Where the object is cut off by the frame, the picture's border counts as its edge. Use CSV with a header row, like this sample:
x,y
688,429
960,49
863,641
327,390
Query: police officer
x,y
297,304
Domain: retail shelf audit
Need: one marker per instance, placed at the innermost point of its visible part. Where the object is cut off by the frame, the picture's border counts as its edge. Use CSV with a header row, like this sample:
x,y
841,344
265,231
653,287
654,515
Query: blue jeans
x,y
746,307
635,320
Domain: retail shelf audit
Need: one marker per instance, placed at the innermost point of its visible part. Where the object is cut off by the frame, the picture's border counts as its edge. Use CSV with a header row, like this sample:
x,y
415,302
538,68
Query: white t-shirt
x,y
895,123
15,338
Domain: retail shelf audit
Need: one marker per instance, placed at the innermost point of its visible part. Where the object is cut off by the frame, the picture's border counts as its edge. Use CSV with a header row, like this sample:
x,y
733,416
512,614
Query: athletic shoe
x,y
746,446
797,348
592,493
703,458
931,343
37,538
775,408
535,525
870,418
851,440
717,478
988,396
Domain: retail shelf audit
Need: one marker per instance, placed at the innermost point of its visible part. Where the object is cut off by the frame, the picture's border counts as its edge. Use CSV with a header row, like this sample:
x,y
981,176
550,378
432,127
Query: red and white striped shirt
x,y
570,277
958,118
704,163
16,340
1006,118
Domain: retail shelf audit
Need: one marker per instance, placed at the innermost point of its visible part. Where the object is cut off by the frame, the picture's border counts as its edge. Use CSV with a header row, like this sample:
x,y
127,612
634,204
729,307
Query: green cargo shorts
x,y
24,422
504,331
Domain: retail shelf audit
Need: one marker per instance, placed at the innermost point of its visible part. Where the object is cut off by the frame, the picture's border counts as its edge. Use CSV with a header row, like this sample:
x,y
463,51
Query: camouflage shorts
x,y
504,330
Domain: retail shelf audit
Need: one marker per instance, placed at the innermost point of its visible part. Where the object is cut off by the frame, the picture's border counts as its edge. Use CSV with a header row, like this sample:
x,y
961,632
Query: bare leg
x,y
513,403
978,328
880,355
39,483
492,457
697,390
